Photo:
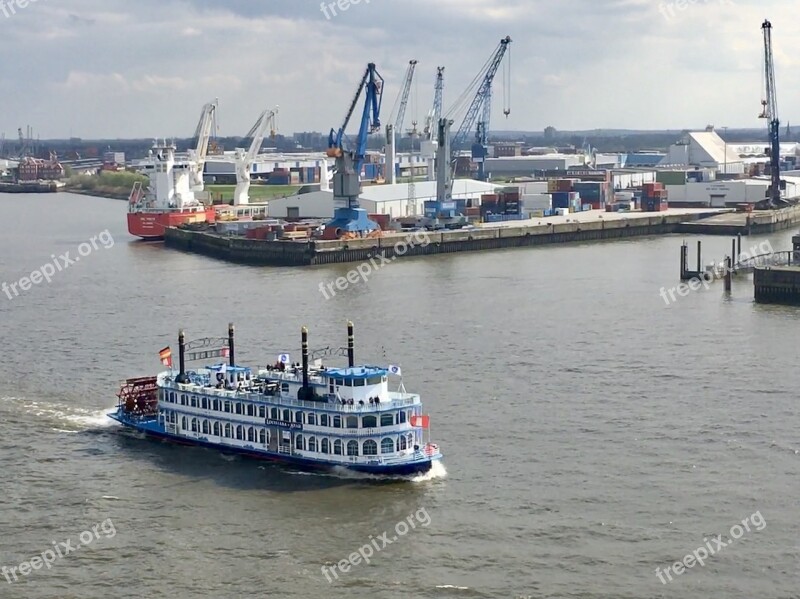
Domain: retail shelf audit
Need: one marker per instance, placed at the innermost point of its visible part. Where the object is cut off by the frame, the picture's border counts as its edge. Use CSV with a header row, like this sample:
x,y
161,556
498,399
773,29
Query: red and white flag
x,y
421,421
226,352
165,355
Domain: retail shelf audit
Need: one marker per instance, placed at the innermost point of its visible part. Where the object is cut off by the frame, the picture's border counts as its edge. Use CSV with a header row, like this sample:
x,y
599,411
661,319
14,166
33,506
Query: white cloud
x,y
143,69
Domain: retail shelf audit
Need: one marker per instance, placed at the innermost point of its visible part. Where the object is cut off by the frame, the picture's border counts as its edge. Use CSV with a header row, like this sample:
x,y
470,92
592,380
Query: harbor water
x,y
592,430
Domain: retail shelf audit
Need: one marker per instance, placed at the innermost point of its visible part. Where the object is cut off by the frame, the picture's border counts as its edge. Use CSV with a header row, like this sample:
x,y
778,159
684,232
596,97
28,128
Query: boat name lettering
x,y
205,355
280,423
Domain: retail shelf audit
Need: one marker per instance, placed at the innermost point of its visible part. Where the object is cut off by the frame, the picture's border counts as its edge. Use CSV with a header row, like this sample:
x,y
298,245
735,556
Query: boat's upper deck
x,y
357,389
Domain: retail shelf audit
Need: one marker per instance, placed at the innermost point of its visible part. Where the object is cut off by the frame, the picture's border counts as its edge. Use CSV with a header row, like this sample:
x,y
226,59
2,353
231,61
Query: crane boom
x,y
244,158
370,117
432,120
395,125
486,76
348,217
197,155
401,103
770,113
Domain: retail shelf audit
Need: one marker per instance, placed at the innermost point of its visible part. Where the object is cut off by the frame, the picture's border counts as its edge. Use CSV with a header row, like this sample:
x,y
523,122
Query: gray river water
x,y
591,432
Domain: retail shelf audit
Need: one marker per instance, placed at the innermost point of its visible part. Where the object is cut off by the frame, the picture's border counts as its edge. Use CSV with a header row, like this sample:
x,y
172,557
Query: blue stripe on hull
x,y
152,430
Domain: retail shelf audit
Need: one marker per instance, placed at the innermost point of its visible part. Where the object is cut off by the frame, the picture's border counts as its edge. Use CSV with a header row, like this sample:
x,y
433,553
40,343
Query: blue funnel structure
x,y
348,218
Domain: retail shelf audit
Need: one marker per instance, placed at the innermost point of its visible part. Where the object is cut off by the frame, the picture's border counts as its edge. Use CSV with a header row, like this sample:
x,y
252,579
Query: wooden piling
x,y
728,268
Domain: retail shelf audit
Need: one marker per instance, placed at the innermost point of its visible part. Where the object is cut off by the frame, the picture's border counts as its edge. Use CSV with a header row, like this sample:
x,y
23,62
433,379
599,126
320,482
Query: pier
x,y
779,284
776,275
743,223
579,227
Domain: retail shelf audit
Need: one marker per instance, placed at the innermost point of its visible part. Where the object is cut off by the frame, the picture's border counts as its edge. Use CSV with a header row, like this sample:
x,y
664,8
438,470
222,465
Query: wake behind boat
x,y
305,415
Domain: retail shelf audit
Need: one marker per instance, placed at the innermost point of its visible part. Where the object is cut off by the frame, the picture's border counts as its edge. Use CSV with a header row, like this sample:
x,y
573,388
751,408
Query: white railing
x,y
396,400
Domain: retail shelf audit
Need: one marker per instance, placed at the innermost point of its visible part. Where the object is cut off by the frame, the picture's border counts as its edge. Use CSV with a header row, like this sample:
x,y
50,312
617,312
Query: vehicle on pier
x,y
303,415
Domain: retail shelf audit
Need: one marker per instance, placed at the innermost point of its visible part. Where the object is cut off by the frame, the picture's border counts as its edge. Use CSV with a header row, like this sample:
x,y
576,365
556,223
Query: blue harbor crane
x,y
770,113
395,126
481,106
443,211
349,220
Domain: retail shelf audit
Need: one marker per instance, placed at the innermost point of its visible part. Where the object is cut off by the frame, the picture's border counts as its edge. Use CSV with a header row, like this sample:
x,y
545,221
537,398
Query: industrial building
x,y
704,149
392,200
522,166
722,194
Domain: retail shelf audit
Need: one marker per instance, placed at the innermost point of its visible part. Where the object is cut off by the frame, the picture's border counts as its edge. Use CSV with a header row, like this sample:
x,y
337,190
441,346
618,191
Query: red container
x,y
381,219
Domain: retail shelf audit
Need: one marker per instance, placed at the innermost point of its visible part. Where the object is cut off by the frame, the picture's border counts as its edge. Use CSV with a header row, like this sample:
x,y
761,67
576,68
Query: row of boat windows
x,y
286,415
312,444
352,448
375,380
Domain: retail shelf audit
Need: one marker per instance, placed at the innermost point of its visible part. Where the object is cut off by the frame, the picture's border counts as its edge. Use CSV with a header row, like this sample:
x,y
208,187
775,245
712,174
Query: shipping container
x,y
382,220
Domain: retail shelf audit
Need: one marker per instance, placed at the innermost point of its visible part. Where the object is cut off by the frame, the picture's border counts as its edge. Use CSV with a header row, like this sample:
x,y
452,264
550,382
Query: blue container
x,y
560,199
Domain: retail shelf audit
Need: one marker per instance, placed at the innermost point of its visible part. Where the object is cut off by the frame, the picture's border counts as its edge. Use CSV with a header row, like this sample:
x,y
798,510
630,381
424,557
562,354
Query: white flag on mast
x,y
395,370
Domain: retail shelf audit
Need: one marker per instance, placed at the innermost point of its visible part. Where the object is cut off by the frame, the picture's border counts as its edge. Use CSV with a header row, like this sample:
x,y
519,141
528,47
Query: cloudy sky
x,y
143,68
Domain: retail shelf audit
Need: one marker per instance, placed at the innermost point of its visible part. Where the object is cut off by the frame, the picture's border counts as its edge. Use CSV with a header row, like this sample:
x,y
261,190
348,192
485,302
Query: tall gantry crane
x,y
198,154
349,220
481,105
770,113
396,119
244,159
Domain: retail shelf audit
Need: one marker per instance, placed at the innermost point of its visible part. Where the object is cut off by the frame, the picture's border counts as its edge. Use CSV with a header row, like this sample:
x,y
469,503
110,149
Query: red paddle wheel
x,y
139,396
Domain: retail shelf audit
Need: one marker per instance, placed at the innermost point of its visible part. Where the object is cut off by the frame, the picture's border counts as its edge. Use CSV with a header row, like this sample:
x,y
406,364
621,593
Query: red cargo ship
x,y
172,197
150,225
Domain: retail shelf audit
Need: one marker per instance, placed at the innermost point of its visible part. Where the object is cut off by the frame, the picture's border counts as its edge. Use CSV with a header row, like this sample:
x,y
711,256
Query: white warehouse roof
x,y
425,190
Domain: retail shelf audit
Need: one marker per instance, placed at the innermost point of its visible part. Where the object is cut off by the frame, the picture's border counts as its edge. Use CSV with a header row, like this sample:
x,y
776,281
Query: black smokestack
x,y
304,335
351,346
230,344
181,356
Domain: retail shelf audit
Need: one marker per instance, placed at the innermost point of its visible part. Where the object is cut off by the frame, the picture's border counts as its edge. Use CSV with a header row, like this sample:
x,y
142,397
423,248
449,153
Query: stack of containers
x,y
560,199
280,176
509,202
574,201
654,197
592,193
565,184
489,205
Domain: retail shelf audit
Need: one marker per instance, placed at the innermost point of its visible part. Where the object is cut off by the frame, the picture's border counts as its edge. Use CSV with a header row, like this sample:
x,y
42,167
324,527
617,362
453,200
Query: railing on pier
x,y
787,258
729,267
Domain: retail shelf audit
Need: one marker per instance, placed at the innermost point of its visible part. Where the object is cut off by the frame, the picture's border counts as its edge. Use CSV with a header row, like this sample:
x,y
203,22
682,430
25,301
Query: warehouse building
x,y
726,194
392,200
522,166
704,149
